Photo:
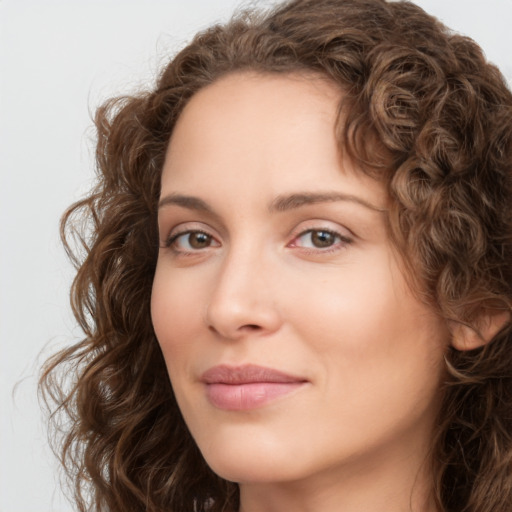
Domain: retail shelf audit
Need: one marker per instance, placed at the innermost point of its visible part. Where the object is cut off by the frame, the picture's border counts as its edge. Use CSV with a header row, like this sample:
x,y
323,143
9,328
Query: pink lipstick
x,y
240,388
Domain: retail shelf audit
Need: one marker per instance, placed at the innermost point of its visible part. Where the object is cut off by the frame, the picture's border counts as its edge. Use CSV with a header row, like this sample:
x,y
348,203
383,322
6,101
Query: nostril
x,y
242,329
251,327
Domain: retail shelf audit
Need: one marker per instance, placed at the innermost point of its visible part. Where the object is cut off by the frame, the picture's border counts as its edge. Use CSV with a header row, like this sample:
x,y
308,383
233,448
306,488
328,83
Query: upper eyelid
x,y
171,215
319,224
188,226
177,235
342,239
174,236
328,230
171,239
184,231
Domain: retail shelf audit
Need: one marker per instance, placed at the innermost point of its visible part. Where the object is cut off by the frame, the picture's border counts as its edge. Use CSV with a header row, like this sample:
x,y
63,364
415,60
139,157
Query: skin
x,y
258,289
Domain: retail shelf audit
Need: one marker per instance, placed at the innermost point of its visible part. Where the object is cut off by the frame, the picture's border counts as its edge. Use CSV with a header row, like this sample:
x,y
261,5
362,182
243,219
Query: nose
x,y
244,298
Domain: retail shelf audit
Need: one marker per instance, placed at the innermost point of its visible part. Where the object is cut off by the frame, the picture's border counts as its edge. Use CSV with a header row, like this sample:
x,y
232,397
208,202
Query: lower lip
x,y
243,397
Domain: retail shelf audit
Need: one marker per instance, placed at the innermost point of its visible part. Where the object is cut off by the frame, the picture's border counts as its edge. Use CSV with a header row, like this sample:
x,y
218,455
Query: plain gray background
x,y
58,61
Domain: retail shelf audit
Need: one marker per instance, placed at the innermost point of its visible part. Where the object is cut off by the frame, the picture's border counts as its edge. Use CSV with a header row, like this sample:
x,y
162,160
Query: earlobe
x,y
466,337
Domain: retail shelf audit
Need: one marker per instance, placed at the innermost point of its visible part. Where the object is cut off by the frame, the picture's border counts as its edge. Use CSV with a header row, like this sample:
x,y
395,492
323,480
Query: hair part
x,y
423,112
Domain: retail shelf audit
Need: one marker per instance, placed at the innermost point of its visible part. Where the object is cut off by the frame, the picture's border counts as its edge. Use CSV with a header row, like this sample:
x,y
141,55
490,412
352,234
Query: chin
x,y
244,471
250,461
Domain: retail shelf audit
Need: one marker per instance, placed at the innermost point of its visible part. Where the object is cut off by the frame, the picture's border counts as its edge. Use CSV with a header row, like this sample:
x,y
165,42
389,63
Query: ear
x,y
487,325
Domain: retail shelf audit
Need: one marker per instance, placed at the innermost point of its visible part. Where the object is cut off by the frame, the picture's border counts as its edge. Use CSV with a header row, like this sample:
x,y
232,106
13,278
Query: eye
x,y
320,239
190,241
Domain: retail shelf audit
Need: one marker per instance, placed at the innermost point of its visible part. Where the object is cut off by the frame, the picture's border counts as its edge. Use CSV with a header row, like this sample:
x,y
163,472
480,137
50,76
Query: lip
x,y
241,388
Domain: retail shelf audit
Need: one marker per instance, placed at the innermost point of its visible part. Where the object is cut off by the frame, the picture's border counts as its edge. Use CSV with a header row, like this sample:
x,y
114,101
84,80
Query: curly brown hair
x,y
425,113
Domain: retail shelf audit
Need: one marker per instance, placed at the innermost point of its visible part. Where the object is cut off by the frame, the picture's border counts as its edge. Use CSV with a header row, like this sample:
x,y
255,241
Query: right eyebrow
x,y
190,202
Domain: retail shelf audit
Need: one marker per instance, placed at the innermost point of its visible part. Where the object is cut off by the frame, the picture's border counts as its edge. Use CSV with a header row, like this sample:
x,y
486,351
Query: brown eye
x,y
198,240
190,241
322,239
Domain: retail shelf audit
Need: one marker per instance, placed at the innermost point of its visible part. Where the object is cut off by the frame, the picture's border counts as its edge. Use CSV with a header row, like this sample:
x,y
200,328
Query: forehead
x,y
246,102
247,128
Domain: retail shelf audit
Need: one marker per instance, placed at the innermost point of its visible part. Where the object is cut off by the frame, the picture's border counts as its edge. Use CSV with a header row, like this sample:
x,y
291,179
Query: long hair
x,y
424,113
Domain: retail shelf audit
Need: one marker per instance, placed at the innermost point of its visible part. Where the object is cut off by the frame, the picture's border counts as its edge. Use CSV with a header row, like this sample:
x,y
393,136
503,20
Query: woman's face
x,y
294,346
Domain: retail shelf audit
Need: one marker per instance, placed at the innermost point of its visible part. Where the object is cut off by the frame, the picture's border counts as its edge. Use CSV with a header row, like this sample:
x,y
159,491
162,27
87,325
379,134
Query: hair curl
x,y
423,112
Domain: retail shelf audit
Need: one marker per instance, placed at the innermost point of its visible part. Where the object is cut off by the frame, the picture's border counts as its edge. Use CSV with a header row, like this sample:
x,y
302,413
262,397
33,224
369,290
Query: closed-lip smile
x,y
238,388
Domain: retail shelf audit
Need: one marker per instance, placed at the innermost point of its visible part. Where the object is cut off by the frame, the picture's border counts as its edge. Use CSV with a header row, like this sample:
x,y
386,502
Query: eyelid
x,y
322,225
186,228
343,234
342,239
171,240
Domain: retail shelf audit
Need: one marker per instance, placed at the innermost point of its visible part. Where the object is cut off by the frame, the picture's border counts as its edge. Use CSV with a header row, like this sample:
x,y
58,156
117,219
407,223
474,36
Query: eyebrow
x,y
281,203
190,202
290,201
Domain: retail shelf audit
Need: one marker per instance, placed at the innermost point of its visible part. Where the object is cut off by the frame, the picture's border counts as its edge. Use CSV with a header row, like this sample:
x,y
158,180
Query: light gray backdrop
x,y
58,60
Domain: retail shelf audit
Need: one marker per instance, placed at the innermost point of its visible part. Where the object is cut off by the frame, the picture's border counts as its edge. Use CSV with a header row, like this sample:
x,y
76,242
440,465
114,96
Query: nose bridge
x,y
242,299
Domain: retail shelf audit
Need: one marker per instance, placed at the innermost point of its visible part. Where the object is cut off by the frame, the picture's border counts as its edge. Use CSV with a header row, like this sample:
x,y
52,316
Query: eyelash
x,y
341,241
173,238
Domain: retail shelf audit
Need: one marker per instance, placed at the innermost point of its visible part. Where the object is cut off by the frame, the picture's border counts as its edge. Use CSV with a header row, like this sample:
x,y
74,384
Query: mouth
x,y
242,388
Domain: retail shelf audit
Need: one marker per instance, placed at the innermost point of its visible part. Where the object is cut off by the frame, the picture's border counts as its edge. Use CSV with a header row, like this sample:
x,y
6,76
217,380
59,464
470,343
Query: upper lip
x,y
246,374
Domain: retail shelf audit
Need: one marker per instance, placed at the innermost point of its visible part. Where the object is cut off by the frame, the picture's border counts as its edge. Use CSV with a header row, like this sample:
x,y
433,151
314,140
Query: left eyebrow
x,y
290,201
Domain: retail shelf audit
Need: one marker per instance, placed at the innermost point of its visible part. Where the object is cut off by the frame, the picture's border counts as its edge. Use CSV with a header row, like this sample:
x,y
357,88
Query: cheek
x,y
371,332
175,313
349,307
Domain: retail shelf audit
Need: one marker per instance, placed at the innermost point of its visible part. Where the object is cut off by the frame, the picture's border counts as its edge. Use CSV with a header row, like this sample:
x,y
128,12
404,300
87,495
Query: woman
x,y
296,292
